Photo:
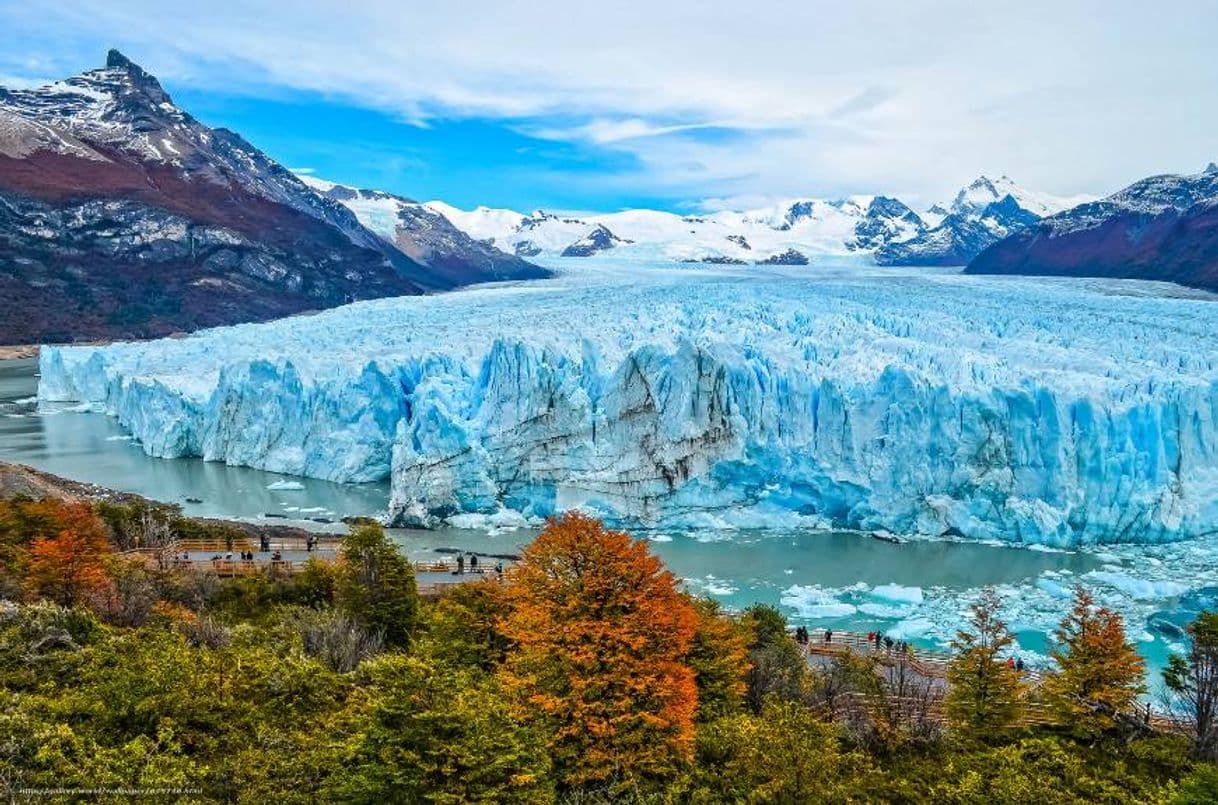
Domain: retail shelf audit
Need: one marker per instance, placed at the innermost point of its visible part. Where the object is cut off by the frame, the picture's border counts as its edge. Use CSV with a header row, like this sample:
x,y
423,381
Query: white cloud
x,y
832,97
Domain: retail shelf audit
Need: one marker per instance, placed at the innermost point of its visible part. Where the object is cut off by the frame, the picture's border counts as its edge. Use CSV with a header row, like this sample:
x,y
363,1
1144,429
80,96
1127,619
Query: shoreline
x,y
18,480
19,352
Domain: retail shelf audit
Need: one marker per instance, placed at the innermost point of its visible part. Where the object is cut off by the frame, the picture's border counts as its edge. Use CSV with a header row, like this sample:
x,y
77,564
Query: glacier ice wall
x,y
1050,412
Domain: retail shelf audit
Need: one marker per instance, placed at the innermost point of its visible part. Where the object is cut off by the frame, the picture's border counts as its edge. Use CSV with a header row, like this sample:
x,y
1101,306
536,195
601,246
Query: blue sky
x,y
679,105
465,161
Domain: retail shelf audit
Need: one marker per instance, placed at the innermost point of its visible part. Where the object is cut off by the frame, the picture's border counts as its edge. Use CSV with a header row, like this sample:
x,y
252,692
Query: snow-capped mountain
x,y
123,216
792,232
1163,227
984,212
451,256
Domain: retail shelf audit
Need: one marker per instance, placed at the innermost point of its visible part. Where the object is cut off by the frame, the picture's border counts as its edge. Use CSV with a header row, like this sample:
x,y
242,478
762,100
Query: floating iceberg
x,y
1049,412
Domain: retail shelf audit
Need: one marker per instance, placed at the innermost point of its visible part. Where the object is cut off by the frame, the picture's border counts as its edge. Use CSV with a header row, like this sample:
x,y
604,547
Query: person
x,y
473,563
277,557
1010,662
878,637
828,635
264,543
499,569
460,563
1019,664
888,643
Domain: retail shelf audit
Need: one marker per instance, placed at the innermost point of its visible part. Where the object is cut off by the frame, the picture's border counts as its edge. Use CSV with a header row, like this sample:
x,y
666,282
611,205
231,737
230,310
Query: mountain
x,y
121,216
886,221
427,237
982,213
598,240
1161,228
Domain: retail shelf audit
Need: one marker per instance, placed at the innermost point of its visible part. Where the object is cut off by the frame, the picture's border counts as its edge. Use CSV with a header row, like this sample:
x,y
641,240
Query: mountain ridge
x,y
1163,227
123,216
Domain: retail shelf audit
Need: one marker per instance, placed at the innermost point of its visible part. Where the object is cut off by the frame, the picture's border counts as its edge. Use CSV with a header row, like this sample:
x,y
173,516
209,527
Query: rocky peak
x,y
888,207
1211,168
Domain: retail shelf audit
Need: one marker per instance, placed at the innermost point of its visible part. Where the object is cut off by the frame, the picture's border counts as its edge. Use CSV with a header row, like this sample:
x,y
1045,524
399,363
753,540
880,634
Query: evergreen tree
x,y
375,585
985,694
1099,673
1193,682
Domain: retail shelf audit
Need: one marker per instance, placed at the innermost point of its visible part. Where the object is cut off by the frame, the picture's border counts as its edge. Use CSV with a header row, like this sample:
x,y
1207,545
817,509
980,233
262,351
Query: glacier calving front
x,y
1050,412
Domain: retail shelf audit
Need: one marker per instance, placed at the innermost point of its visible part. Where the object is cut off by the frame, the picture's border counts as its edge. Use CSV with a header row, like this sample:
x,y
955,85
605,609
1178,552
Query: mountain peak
x,y
115,60
1211,168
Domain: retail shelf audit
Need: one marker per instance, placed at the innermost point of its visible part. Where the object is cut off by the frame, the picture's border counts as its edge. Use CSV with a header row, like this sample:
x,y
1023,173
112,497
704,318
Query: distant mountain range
x,y
795,232
123,216
1160,228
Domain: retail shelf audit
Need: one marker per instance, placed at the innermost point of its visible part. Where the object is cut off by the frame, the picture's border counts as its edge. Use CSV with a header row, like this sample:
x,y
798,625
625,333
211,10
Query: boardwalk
x,y
927,669
286,557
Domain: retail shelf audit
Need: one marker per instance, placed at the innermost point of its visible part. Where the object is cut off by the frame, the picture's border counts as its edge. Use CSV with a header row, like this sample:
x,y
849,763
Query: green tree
x,y
463,627
776,667
426,733
985,694
375,585
1099,674
1200,787
783,755
1193,682
719,657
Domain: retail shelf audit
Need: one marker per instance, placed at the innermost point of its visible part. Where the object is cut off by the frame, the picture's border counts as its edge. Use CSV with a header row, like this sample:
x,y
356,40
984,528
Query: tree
x,y
376,585
427,733
719,658
985,694
1099,673
69,565
1192,680
464,626
783,755
776,668
601,635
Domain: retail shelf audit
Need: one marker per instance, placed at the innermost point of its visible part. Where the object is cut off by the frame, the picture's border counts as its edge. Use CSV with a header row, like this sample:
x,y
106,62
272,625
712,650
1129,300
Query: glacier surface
x,y
1051,412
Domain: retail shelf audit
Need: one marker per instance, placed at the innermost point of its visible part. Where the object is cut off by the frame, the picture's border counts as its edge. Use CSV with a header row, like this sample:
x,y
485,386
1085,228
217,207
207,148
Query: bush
x,y
335,638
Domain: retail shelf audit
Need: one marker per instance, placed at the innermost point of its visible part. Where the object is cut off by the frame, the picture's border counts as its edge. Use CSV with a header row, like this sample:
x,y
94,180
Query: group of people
x,y
882,640
473,564
244,556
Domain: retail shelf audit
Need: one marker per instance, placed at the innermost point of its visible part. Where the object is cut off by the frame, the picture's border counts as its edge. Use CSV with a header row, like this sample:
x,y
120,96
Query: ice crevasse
x,y
1043,412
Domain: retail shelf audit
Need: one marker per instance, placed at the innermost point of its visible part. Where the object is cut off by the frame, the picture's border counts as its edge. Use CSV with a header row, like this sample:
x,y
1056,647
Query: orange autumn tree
x,y
601,634
68,562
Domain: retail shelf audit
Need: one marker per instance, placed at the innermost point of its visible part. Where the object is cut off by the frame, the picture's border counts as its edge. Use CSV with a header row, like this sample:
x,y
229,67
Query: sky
x,y
672,104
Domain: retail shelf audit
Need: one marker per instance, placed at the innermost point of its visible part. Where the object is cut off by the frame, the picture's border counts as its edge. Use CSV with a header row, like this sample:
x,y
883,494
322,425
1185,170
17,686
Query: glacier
x,y
1032,411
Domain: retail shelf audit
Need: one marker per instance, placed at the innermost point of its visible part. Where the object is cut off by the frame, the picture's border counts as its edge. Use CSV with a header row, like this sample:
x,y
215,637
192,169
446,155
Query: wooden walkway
x,y
177,555
931,665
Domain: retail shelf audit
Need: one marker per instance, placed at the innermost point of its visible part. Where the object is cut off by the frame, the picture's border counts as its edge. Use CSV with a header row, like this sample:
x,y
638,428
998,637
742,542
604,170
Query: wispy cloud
x,y
703,99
